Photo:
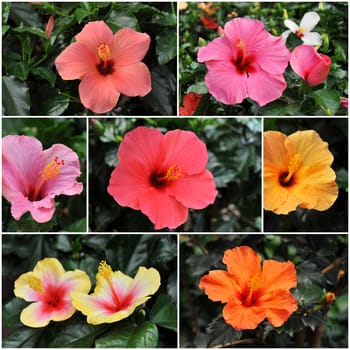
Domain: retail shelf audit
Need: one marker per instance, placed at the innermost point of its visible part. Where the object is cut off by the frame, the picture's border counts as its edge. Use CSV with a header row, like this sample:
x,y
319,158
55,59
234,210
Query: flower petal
x,y
218,286
22,289
76,280
217,50
275,152
65,182
312,38
279,275
291,25
309,21
34,315
49,270
242,317
302,60
98,93
76,61
320,71
132,80
285,35
129,46
242,263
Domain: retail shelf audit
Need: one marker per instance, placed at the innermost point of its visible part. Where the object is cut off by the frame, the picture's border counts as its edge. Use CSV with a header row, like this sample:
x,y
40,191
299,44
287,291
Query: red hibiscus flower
x,y
107,65
190,104
162,175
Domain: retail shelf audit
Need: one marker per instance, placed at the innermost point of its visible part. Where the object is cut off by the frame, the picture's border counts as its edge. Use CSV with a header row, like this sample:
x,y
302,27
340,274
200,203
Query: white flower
x,y
308,22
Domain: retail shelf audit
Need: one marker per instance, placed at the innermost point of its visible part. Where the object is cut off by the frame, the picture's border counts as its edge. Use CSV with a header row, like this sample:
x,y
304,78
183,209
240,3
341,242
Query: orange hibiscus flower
x,y
251,292
297,172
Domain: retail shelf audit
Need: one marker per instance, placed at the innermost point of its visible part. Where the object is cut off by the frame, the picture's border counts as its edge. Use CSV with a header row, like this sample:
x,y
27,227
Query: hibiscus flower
x,y
107,65
49,286
303,31
250,291
116,295
190,104
162,175
297,172
246,62
31,177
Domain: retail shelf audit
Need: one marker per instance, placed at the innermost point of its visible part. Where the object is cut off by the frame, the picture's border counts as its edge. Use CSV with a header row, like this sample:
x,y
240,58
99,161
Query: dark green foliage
x,y
31,84
234,159
297,99
322,266
153,324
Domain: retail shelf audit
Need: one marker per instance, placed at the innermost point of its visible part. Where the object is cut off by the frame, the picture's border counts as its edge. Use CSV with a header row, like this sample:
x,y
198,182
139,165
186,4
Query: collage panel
x,y
306,175
86,290
111,58
263,290
44,174
188,174
263,58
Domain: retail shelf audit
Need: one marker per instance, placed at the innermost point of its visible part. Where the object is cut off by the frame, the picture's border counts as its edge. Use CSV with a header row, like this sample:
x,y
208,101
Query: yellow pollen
x,y
52,169
173,173
104,52
36,284
294,164
254,283
300,32
241,44
105,270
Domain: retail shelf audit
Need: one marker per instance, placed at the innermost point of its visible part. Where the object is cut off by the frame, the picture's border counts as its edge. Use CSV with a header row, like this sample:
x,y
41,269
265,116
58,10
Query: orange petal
x,y
218,286
279,275
243,263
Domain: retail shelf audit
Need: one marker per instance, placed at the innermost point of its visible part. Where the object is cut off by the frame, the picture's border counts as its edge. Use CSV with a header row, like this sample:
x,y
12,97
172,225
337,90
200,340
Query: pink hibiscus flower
x,y
246,62
31,177
107,65
310,65
162,175
49,286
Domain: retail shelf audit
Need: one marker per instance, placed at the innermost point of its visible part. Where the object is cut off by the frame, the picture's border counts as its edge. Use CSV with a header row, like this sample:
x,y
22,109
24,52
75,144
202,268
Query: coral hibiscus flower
x,y
107,65
162,175
31,177
297,172
252,292
116,295
246,62
49,286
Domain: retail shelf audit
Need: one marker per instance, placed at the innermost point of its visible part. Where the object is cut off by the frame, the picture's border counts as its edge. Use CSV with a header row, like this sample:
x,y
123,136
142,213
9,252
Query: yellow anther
x,y
52,169
173,173
300,32
104,52
293,166
36,284
105,270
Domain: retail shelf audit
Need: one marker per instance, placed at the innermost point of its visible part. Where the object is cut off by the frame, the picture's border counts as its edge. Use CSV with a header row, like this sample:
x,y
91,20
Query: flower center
x,y
52,169
173,173
105,66
286,178
105,270
300,32
254,283
244,63
36,284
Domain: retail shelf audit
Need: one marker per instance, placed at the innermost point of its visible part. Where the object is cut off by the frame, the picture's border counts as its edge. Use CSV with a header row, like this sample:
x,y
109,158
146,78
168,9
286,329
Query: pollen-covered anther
x,y
300,32
36,284
173,173
294,165
104,52
52,169
105,270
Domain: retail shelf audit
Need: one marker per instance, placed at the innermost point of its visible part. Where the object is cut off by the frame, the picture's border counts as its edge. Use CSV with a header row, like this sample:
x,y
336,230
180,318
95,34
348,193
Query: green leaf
x,y
80,14
166,46
313,320
22,337
55,106
19,69
164,313
45,73
120,19
5,28
12,311
222,334
15,96
32,30
198,88
328,100
310,294
24,13
342,178
130,335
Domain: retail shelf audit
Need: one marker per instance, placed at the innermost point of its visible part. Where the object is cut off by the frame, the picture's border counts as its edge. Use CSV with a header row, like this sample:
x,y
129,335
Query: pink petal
x,y
184,149
302,60
264,87
65,182
76,61
217,50
225,84
94,34
132,80
22,160
320,71
98,93
163,210
196,192
129,46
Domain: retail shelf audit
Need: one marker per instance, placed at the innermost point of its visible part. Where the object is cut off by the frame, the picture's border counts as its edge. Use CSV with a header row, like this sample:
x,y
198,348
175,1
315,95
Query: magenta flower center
x,y
244,63
162,179
105,65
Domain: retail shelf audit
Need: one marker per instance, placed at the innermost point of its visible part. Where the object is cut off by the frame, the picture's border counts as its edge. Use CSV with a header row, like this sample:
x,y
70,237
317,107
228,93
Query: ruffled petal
x,y
65,182
76,280
217,50
132,80
278,275
309,21
76,61
35,316
22,289
129,46
98,93
49,270
275,153
218,286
